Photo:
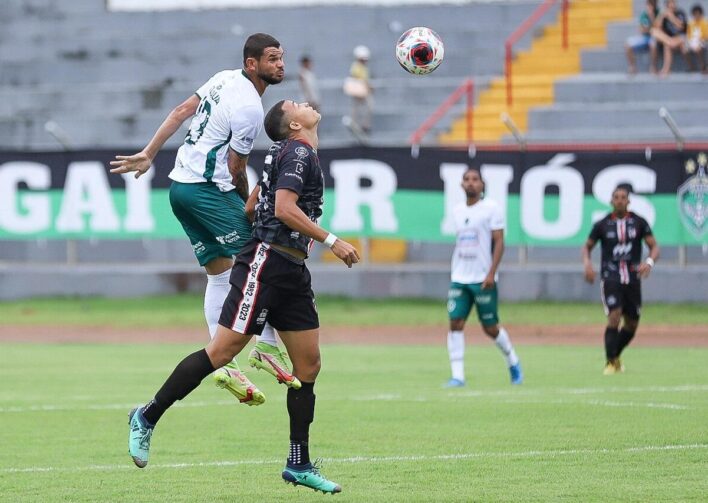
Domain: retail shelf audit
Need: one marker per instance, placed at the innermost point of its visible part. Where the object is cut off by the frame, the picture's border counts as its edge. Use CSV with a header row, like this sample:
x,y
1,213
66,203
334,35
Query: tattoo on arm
x,y
239,177
240,181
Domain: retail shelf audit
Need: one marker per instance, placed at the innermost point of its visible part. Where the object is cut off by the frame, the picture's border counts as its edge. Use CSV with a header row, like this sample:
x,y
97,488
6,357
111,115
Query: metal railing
x,y
528,23
465,89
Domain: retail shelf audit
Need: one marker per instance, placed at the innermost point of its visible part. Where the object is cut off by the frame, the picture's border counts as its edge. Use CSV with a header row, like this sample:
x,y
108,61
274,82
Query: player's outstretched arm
x,y
288,212
141,162
587,261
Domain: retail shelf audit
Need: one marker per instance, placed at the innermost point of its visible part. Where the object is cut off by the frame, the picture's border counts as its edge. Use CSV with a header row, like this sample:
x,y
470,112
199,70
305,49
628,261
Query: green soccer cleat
x,y
267,357
139,437
309,476
233,380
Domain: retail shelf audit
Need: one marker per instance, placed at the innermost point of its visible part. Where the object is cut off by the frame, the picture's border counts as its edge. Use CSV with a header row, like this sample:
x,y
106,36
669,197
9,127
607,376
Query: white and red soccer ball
x,y
419,50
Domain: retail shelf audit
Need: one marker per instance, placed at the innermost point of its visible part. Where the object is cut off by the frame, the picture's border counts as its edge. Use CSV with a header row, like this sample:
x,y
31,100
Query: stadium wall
x,y
126,241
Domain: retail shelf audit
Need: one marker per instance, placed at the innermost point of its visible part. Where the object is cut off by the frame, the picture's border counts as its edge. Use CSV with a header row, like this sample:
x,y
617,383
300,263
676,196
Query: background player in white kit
x,y
210,187
479,224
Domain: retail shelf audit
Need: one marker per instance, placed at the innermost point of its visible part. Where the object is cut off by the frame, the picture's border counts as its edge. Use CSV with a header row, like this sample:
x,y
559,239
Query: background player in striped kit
x,y
210,187
620,233
479,224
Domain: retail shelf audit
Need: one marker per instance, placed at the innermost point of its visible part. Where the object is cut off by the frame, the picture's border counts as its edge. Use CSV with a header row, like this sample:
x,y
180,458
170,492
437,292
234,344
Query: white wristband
x,y
330,240
650,261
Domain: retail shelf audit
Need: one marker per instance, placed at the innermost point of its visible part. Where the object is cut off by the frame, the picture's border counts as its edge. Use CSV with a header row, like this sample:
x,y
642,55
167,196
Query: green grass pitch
x,y
386,429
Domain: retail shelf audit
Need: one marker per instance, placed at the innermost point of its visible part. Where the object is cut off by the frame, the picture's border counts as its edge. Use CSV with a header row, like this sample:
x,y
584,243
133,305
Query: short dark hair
x,y
696,9
274,122
256,44
305,59
625,187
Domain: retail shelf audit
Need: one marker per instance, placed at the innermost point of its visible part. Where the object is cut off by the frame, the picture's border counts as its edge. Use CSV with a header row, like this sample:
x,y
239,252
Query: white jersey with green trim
x,y
474,224
230,114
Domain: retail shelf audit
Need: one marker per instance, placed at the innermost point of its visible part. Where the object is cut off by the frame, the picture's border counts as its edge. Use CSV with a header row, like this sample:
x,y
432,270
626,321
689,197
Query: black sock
x,y
625,337
301,408
611,343
184,379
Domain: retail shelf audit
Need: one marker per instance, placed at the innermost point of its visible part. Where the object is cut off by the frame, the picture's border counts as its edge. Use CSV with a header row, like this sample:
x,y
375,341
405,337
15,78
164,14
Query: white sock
x,y
268,335
216,291
504,344
456,351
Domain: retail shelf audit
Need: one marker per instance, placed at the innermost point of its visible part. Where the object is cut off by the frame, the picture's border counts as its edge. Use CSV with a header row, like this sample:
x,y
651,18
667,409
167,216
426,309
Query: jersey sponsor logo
x,y
621,250
295,175
483,299
247,140
301,152
229,238
262,317
268,160
198,248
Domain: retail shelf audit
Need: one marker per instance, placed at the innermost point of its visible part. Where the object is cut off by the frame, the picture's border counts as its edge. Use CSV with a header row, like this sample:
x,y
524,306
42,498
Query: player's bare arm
x,y
288,212
646,266
237,167
142,161
587,261
250,208
498,240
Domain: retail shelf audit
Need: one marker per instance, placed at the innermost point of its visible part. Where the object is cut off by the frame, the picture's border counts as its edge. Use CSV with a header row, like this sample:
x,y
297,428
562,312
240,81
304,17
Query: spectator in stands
x,y
308,83
358,87
670,30
643,41
696,40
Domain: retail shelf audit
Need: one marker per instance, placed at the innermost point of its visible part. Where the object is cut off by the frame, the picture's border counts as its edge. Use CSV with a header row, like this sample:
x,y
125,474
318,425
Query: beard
x,y
471,193
270,79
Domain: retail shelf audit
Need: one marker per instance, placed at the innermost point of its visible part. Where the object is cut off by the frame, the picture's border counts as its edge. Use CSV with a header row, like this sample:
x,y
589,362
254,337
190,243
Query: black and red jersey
x,y
292,165
621,244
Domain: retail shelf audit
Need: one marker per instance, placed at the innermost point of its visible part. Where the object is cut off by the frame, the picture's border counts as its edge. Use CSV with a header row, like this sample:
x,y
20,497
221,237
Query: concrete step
x,y
568,116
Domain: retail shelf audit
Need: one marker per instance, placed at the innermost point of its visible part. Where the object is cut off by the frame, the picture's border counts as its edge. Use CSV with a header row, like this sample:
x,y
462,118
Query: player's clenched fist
x,y
345,252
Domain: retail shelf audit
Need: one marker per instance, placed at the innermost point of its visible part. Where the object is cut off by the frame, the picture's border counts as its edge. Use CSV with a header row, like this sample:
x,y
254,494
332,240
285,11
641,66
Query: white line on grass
x,y
602,403
396,397
367,459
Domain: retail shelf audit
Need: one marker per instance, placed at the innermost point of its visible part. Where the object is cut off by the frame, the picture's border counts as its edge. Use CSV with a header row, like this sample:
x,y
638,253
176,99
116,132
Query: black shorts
x,y
626,296
267,286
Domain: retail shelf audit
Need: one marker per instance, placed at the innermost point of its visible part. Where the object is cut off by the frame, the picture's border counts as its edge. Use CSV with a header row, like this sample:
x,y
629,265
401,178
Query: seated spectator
x,y
643,42
670,30
696,39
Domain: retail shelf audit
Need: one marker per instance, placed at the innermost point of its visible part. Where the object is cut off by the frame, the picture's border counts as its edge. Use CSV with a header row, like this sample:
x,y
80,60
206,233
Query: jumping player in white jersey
x,y
479,224
210,187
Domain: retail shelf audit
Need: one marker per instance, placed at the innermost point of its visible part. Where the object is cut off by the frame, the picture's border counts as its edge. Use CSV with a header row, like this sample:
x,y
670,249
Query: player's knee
x,y
307,369
457,325
225,346
491,330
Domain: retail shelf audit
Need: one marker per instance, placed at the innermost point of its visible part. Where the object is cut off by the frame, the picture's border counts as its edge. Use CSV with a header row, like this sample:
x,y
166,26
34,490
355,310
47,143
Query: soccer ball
x,y
419,50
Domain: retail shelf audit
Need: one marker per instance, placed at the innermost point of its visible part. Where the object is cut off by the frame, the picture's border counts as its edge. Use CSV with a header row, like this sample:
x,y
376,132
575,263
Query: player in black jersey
x,y
269,282
620,234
